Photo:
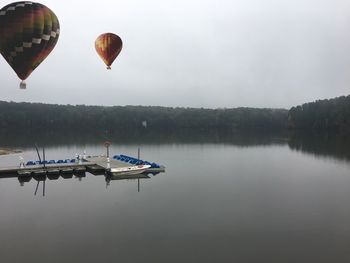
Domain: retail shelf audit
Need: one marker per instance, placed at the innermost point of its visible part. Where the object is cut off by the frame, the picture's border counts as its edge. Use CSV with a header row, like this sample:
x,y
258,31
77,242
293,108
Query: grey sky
x,y
194,53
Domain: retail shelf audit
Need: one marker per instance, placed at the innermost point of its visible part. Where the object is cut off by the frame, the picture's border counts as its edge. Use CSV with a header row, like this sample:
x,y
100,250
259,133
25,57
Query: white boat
x,y
137,169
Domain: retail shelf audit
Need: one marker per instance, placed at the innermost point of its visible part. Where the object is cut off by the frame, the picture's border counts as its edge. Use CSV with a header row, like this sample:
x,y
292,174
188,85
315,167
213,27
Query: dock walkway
x,y
92,164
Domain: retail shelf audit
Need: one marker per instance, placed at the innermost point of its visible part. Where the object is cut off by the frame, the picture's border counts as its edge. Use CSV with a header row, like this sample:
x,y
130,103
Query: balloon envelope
x,y
28,33
108,46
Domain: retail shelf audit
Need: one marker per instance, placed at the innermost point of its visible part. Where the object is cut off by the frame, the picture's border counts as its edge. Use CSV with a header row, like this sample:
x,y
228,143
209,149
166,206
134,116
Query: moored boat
x,y
137,169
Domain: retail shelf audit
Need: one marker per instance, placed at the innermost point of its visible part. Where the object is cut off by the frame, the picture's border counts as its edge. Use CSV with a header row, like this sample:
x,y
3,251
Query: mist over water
x,y
251,193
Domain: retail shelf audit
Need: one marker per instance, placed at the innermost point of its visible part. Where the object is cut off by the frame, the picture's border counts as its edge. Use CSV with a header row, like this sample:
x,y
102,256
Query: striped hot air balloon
x,y
108,46
28,33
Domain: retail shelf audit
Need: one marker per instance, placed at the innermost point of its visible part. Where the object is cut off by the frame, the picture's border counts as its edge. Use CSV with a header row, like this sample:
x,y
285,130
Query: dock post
x,y
138,153
44,156
107,144
37,151
21,162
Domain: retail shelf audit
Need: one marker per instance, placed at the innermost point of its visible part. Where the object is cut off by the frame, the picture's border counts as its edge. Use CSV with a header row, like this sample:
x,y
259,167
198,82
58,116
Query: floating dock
x,y
93,164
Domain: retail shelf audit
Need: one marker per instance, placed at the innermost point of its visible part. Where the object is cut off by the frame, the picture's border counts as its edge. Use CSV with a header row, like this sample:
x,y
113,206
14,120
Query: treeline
x,y
35,117
322,115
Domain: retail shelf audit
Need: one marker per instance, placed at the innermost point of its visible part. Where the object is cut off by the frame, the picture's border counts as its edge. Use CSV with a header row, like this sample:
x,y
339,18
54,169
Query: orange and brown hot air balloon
x,y
28,33
108,46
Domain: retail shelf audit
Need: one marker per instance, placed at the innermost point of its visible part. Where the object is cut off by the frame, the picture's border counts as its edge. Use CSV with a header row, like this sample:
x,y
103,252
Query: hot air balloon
x,y
28,33
108,46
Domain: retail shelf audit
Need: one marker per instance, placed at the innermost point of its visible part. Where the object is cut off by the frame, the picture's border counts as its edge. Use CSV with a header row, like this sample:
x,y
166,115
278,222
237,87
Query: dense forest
x,y
35,117
331,115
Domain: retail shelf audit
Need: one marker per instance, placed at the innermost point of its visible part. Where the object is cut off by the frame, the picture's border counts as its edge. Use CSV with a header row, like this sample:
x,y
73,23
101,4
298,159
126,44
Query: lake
x,y
242,199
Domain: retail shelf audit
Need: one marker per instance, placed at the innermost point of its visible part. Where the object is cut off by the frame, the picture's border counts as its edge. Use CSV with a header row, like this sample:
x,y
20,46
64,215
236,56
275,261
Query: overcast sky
x,y
194,53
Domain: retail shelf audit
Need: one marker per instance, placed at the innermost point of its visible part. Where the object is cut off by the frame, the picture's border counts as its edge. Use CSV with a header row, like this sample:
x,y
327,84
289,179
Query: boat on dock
x,y
120,165
115,177
129,170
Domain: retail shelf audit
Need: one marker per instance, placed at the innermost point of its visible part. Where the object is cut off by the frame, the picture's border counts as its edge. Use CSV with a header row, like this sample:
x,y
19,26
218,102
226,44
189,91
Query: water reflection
x,y
331,145
138,177
336,146
109,178
218,202
144,136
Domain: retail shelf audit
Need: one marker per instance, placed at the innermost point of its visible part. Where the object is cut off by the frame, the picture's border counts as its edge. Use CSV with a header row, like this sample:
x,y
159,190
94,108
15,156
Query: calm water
x,y
274,201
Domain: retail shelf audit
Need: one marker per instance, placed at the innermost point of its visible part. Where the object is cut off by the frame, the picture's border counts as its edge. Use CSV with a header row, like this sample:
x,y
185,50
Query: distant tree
x,y
81,118
323,115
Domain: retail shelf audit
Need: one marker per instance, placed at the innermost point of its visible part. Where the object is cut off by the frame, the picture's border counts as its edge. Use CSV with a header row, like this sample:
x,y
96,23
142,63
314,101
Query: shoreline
x,y
6,151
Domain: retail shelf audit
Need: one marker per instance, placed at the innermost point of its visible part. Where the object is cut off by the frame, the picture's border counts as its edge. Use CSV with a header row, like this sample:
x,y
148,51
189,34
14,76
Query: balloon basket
x,y
23,85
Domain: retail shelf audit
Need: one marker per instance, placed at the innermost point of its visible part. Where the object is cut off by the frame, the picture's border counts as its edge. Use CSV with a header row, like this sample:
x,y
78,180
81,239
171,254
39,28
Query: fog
x,y
191,53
